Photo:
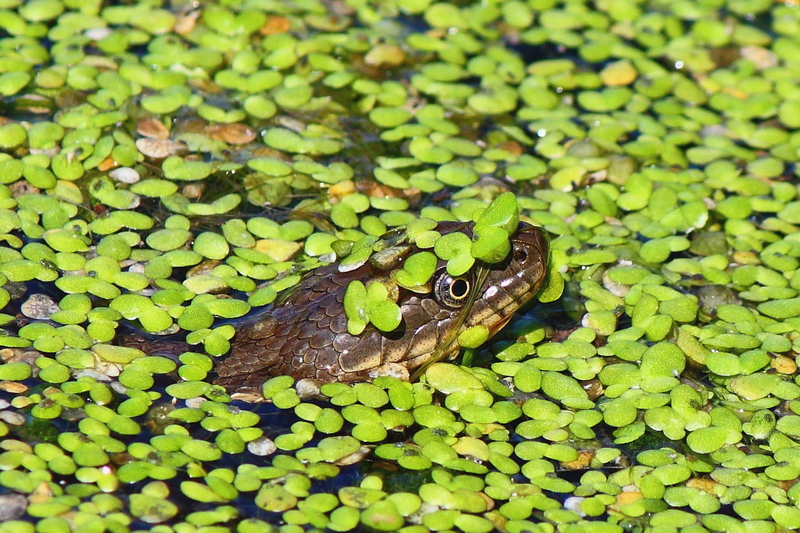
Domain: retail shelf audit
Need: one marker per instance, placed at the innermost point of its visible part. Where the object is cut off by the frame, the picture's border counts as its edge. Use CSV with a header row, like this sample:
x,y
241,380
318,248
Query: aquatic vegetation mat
x,y
171,166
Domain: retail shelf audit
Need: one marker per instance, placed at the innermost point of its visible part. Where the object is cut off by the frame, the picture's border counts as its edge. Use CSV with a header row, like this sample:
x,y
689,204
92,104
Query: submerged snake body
x,y
304,335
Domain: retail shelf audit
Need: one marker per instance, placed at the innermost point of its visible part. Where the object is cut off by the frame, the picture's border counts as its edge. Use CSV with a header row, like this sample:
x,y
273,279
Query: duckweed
x,y
166,170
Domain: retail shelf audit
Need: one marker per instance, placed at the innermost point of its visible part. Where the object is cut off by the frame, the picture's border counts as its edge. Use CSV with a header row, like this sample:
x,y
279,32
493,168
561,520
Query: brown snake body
x,y
305,335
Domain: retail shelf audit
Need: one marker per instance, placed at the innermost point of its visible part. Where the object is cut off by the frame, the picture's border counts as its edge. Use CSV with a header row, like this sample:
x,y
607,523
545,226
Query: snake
x,y
304,333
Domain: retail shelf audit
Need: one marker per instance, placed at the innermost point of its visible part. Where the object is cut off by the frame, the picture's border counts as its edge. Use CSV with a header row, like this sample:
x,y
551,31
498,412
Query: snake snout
x,y
529,246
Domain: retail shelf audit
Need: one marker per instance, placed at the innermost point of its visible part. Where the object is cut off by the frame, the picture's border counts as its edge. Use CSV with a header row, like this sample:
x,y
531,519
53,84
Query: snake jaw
x,y
394,370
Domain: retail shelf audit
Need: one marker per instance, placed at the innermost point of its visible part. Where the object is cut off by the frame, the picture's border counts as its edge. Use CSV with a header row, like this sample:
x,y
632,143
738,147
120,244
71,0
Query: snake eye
x,y
520,255
452,291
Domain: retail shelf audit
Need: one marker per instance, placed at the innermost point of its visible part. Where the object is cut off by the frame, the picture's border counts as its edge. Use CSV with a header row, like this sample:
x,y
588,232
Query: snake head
x,y
487,295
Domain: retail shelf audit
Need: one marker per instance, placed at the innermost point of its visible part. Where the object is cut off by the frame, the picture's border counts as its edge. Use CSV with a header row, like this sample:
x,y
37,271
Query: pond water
x,y
169,167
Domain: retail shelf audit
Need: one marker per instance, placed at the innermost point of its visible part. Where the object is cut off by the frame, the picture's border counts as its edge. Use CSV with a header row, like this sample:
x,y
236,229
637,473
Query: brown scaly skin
x,y
304,335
